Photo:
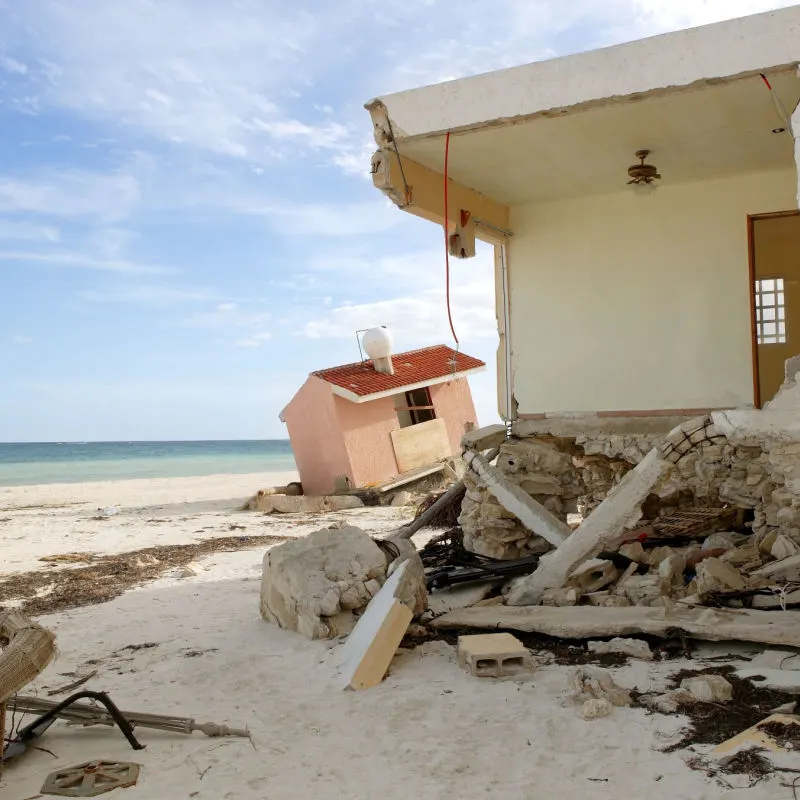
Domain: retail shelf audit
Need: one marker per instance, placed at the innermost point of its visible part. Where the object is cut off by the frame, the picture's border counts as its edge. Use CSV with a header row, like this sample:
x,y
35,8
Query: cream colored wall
x,y
316,436
630,303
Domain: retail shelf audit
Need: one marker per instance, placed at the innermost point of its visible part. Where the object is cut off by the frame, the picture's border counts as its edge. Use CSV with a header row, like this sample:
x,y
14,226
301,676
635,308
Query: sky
x,y
187,221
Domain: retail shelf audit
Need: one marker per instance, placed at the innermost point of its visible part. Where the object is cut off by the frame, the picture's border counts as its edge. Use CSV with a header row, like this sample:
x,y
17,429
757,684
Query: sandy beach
x,y
191,643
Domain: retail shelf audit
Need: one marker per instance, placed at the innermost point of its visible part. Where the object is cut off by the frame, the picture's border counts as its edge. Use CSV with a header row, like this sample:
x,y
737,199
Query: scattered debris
x,y
76,684
31,732
303,504
87,715
444,514
494,655
91,779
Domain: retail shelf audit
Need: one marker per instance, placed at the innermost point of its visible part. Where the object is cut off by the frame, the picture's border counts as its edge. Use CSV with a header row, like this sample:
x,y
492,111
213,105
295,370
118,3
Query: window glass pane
x,y
770,329
769,313
767,286
768,299
779,284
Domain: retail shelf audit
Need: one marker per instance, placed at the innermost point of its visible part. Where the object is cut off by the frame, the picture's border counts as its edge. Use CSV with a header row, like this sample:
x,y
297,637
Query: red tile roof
x,y
415,366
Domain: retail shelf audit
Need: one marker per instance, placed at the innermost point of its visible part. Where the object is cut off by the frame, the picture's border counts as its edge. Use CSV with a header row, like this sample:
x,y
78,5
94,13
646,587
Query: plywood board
x,y
420,445
371,646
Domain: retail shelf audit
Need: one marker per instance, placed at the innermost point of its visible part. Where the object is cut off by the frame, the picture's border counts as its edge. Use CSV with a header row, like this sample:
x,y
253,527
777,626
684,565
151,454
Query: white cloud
x,y
20,338
317,219
420,318
230,316
155,296
76,260
22,231
12,66
72,194
254,341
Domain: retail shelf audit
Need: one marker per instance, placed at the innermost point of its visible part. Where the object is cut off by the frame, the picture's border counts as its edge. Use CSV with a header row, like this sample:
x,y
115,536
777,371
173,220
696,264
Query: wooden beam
x,y
420,191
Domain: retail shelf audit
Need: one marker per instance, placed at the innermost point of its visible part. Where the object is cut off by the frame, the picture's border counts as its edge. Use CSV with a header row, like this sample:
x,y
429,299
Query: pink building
x,y
354,426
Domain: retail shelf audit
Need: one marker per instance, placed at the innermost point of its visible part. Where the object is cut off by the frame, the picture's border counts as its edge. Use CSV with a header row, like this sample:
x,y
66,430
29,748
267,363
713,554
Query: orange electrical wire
x,y
447,237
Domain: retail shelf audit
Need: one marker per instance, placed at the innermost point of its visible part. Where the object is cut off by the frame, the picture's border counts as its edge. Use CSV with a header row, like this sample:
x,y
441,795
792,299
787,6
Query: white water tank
x,y
378,342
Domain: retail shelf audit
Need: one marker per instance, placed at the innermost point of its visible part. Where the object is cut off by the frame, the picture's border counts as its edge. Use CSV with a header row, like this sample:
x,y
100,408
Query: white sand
x,y
38,521
429,731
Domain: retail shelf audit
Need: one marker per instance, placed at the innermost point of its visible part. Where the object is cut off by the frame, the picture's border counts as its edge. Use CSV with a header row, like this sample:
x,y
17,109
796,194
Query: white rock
x,y
708,688
635,648
596,708
587,683
304,580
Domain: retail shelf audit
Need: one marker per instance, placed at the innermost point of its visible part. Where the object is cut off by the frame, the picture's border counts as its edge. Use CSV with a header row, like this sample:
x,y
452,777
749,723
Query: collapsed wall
x,y
749,460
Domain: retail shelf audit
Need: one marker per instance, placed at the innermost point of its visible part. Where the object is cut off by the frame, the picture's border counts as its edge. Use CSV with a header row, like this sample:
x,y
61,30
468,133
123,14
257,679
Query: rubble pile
x,y
741,462
542,469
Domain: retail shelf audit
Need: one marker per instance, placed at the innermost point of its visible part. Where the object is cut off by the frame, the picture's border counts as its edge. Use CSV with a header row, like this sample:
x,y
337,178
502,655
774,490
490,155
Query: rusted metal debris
x,y
91,779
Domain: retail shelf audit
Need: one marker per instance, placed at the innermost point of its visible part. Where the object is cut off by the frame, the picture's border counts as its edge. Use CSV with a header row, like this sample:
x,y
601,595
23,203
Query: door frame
x,y
751,258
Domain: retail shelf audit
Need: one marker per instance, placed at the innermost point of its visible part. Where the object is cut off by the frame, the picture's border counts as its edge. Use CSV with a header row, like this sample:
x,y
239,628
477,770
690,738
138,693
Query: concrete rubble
x,y
318,585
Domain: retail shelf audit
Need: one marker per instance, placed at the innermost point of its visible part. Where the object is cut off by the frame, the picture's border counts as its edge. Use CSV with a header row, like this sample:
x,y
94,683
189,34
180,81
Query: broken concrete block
x,y
313,585
788,569
714,575
413,590
593,575
440,602
640,590
635,648
596,708
670,572
402,498
494,655
588,683
723,541
635,552
564,596
784,547
708,688
370,648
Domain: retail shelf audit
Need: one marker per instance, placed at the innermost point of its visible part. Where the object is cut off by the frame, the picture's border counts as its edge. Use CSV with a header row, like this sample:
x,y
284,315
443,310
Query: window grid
x,y
770,311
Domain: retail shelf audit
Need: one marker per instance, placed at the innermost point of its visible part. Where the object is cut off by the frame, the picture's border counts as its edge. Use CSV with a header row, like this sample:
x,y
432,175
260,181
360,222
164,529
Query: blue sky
x,y
187,225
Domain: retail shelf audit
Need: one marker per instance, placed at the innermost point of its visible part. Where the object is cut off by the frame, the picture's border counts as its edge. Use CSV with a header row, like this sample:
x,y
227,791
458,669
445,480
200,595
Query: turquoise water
x,y
76,462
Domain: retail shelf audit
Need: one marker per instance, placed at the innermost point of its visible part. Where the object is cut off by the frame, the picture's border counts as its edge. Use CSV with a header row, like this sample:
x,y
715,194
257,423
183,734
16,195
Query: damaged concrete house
x,y
642,203
383,422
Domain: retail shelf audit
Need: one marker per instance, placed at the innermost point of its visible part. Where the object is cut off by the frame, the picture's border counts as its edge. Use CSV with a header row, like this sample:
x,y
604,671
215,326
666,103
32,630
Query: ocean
x,y
76,462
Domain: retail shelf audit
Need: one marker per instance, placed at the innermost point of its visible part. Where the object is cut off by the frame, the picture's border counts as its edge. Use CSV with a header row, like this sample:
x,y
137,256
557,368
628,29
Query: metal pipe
x,y
509,415
491,227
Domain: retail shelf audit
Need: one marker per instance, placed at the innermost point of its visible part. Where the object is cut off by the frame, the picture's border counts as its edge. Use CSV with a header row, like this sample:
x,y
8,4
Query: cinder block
x,y
494,655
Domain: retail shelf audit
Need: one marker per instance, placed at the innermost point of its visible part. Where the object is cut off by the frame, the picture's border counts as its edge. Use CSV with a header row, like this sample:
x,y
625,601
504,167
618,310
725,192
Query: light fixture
x,y
643,176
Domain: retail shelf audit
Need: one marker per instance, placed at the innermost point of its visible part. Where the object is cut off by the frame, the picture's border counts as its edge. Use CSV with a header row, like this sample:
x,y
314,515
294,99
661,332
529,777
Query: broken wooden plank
x,y
370,648
601,530
532,514
591,622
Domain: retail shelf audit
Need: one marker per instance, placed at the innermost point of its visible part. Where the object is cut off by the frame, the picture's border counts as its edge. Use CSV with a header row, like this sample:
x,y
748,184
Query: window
x,y
770,311
414,407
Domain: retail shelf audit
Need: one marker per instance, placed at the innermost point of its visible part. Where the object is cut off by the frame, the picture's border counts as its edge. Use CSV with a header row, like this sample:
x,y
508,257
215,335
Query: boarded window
x,y
770,311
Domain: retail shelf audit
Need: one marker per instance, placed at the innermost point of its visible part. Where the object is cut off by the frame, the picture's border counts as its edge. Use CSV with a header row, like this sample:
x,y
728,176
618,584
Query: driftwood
x,y
589,622
424,519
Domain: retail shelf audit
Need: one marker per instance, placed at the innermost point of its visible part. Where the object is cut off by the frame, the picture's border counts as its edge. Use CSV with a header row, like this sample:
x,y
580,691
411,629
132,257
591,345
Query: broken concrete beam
x,y
589,622
563,596
601,530
482,439
593,575
494,655
533,515
370,648
302,504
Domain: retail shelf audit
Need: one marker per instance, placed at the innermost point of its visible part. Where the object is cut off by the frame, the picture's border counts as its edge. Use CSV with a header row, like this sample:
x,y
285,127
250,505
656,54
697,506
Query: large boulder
x,y
320,584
